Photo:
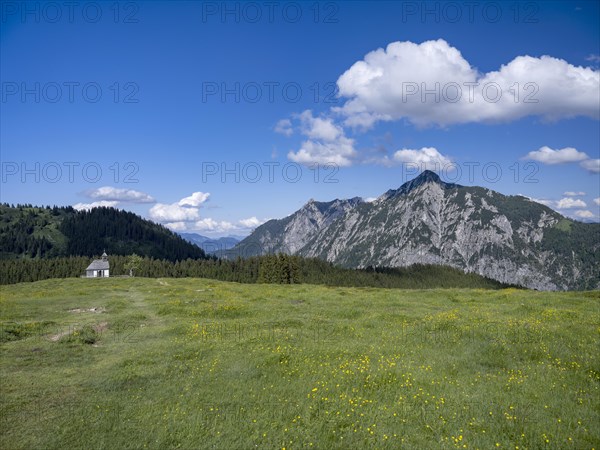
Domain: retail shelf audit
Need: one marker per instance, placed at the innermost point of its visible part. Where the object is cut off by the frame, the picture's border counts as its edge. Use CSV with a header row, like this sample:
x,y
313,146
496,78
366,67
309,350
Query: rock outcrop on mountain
x,y
508,238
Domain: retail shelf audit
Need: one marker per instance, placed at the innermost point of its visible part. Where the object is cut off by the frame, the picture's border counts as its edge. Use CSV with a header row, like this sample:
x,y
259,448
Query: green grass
x,y
196,363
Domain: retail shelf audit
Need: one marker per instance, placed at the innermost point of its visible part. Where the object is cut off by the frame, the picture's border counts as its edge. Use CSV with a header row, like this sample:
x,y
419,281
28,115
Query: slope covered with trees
x,y
38,232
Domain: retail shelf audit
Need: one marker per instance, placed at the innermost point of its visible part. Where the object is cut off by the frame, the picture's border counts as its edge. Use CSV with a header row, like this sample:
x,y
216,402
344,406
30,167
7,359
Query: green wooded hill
x,y
28,231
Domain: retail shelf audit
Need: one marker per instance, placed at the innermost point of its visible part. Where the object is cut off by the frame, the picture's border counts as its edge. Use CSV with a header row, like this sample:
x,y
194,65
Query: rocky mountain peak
x,y
427,176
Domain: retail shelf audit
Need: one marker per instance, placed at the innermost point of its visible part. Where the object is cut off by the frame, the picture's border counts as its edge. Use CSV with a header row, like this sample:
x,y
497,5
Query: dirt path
x,y
136,304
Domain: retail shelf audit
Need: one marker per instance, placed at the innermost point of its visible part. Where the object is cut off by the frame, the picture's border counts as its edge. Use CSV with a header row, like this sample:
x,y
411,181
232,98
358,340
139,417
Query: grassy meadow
x,y
197,363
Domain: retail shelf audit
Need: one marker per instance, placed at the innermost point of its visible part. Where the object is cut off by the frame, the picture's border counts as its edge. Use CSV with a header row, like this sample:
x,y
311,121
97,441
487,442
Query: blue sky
x,y
171,109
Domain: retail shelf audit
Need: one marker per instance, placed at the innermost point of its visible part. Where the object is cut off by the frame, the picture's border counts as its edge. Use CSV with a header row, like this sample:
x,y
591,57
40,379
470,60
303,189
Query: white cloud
x,y
339,153
284,126
425,158
370,199
122,195
251,222
597,201
574,194
184,215
212,225
591,165
566,203
185,210
215,226
392,84
546,155
196,199
327,143
584,214
318,127
162,212
88,206
176,226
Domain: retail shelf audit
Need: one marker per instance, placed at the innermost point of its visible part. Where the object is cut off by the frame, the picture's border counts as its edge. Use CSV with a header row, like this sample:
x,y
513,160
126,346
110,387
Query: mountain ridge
x,y
428,221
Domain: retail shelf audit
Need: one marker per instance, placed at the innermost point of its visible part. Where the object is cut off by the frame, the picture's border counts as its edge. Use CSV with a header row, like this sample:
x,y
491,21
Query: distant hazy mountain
x,y
210,245
427,221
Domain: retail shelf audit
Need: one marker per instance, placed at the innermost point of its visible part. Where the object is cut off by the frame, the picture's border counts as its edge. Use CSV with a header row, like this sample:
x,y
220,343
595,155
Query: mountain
x,y
291,234
29,231
211,245
426,221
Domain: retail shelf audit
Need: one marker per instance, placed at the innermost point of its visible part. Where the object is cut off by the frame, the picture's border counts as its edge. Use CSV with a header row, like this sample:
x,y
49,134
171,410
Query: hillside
x,y
195,363
30,231
427,221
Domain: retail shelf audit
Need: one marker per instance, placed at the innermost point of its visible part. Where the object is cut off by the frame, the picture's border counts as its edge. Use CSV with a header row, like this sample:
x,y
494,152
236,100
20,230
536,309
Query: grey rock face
x,y
426,221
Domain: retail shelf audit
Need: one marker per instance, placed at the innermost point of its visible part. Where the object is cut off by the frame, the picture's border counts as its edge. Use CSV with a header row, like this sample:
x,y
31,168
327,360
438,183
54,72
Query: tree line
x,y
281,269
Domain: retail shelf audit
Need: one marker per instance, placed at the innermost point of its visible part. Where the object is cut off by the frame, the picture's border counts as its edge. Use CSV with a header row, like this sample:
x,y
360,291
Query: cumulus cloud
x,y
88,206
566,203
185,210
326,143
546,155
196,199
120,195
574,194
591,165
184,215
597,201
165,213
432,83
251,222
318,127
212,225
338,153
584,214
176,226
425,158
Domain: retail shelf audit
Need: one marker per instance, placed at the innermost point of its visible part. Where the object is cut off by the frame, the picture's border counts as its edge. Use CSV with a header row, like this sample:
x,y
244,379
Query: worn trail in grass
x,y
196,363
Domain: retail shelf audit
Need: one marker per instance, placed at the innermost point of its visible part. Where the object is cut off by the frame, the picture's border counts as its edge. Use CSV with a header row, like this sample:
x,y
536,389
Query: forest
x,y
47,232
277,269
